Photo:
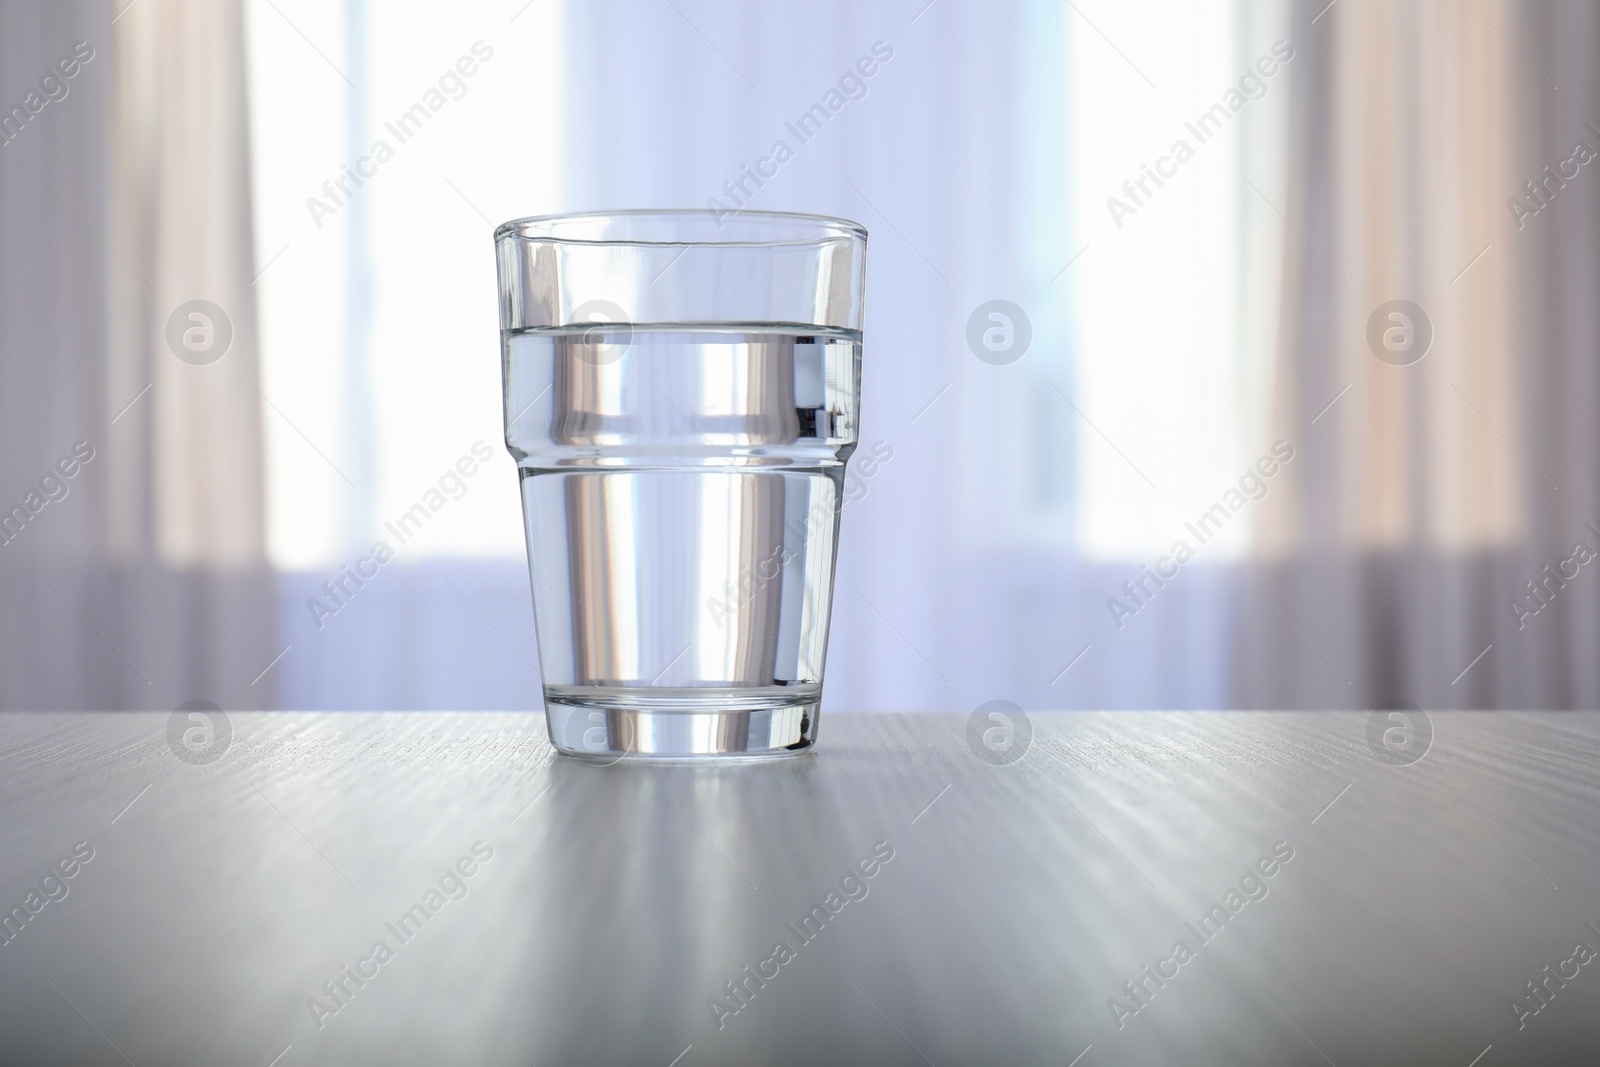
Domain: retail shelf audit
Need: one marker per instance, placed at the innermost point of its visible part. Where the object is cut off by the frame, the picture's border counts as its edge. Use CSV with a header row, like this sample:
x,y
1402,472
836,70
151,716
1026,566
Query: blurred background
x,y
1290,402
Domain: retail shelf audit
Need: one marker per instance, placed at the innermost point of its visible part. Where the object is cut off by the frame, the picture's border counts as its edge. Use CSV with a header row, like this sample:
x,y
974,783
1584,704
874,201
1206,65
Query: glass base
x,y
668,724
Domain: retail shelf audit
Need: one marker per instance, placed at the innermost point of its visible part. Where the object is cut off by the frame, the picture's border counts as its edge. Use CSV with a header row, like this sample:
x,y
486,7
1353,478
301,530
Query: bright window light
x,y
1159,195
380,352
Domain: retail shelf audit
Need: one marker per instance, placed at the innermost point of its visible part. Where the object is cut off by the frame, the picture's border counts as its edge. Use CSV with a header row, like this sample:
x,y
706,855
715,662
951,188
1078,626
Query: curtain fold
x,y
125,214
1432,487
1422,548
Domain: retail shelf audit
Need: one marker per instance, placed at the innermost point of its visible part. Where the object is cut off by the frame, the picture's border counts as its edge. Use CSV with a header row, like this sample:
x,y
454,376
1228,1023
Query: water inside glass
x,y
681,488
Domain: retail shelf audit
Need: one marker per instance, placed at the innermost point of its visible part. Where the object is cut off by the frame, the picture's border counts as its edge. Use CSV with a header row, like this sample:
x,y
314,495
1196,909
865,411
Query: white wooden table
x,y
545,911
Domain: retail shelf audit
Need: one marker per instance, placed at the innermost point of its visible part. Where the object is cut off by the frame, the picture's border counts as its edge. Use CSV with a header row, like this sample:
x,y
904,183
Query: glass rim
x,y
544,229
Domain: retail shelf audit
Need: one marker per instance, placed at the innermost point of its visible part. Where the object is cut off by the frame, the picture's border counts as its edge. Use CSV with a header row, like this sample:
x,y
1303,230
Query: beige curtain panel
x,y
130,336
1449,453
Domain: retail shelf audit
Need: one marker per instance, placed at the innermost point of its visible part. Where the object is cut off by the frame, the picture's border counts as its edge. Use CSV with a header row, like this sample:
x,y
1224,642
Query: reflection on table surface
x,y
1137,888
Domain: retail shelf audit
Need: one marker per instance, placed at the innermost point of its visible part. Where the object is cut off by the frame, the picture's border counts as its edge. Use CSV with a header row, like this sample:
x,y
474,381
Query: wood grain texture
x,y
619,900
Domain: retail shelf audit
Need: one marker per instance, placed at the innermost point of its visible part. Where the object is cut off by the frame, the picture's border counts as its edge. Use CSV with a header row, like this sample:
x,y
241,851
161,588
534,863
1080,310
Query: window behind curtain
x,y
981,159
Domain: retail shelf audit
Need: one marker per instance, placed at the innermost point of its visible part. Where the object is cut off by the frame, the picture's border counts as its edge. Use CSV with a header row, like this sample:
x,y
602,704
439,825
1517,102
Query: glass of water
x,y
681,397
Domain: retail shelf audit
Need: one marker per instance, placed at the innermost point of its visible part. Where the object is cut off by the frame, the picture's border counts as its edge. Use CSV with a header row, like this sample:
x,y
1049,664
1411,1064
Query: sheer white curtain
x,y
1423,500
1419,503
956,581
139,580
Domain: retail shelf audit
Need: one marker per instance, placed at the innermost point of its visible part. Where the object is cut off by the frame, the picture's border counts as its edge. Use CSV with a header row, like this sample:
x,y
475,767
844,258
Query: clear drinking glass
x,y
681,397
